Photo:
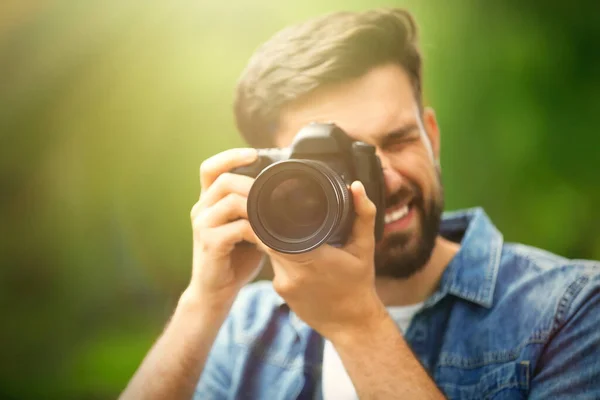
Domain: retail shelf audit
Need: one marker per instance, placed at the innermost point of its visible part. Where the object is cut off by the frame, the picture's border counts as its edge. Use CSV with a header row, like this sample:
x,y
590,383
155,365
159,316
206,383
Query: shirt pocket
x,y
509,380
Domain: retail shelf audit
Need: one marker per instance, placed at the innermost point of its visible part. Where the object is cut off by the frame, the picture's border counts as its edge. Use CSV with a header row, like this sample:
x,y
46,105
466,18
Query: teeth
x,y
396,215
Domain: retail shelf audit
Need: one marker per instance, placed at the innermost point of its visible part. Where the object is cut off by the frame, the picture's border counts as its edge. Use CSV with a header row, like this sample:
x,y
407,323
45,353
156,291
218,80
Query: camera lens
x,y
296,205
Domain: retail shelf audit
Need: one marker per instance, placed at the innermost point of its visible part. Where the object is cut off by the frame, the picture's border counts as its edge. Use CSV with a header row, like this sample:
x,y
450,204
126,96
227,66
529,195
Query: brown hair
x,y
329,49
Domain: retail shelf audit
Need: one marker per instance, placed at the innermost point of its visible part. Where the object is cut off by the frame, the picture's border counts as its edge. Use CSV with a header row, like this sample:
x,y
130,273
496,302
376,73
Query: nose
x,y
392,178
393,181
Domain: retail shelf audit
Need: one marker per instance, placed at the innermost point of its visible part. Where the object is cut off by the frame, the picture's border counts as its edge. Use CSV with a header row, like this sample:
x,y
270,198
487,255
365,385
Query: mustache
x,y
402,194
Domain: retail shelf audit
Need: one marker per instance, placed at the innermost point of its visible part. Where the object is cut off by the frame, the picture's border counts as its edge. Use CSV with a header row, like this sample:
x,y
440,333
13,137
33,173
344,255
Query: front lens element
x,y
297,205
296,209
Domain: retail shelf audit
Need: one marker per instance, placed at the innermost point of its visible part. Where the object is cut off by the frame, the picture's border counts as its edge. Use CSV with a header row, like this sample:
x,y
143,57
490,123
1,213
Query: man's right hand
x,y
222,264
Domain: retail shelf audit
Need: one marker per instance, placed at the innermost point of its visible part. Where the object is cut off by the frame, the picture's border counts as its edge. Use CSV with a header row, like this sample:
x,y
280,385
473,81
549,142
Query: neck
x,y
421,285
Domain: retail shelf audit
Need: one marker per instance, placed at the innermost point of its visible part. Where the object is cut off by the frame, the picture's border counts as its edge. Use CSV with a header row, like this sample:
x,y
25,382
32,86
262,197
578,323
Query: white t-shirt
x,y
336,382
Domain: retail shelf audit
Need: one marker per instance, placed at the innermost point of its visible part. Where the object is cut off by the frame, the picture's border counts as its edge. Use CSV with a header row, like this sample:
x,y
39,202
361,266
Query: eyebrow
x,y
398,134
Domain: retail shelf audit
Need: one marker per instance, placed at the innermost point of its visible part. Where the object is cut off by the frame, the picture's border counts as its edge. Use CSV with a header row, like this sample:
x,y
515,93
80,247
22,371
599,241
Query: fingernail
x,y
360,187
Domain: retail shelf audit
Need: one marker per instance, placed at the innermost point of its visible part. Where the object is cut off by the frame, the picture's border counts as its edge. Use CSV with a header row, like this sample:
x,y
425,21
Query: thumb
x,y
363,230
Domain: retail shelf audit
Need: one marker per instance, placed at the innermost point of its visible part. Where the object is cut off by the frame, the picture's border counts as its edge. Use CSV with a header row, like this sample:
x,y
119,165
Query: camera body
x,y
301,199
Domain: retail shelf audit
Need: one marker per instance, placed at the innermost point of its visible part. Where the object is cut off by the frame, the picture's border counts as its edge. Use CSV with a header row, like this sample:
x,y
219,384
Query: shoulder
x,y
544,282
563,295
535,296
520,262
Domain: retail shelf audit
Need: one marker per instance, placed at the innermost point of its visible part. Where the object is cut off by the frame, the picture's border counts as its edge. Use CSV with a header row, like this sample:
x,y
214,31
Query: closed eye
x,y
398,139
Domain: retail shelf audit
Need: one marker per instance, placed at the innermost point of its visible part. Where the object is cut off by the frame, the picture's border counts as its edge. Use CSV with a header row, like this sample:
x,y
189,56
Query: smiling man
x,y
440,307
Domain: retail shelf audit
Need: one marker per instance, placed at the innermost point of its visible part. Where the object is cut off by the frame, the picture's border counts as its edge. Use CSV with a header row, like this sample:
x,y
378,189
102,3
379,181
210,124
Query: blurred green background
x,y
107,109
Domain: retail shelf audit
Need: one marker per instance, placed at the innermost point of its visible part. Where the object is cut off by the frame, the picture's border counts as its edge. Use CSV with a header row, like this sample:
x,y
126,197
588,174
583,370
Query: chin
x,y
402,253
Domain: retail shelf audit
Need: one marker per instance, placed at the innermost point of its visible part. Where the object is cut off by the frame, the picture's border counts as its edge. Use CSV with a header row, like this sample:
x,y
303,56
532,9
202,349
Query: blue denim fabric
x,y
507,322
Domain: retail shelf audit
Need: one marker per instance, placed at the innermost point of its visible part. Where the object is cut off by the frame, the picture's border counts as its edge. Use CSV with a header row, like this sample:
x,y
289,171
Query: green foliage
x,y
108,108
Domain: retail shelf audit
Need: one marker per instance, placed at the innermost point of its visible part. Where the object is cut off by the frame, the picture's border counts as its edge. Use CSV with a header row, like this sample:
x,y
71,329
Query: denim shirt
x,y
507,321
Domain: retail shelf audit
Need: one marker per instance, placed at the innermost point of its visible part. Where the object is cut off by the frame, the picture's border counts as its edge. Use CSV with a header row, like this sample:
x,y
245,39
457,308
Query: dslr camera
x,y
301,198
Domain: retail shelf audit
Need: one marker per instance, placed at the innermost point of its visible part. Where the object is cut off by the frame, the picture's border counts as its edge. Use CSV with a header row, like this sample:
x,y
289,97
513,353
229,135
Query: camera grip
x,y
370,173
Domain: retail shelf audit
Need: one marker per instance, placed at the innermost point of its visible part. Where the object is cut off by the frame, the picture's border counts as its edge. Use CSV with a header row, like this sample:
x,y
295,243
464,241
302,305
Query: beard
x,y
402,254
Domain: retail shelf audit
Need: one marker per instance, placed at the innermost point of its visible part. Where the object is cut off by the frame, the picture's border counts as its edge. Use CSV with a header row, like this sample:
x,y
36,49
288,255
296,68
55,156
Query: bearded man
x,y
440,307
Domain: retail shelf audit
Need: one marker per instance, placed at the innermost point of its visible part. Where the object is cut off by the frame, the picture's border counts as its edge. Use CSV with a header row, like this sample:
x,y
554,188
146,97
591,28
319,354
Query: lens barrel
x,y
297,205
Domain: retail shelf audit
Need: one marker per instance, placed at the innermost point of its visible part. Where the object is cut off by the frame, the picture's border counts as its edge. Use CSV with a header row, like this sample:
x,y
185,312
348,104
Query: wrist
x,y
377,321
203,306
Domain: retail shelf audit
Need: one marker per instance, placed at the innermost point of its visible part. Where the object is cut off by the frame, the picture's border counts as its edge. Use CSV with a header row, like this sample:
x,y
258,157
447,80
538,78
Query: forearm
x,y
382,366
173,366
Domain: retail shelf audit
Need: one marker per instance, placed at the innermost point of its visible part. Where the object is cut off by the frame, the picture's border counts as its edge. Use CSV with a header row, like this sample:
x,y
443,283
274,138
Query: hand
x,y
221,263
333,289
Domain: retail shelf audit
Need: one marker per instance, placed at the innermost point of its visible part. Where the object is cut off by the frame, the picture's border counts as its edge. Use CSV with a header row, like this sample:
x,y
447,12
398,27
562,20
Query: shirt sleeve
x,y
215,380
569,367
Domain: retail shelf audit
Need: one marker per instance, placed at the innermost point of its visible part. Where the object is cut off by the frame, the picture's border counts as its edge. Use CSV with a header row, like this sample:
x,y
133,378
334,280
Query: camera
x,y
300,198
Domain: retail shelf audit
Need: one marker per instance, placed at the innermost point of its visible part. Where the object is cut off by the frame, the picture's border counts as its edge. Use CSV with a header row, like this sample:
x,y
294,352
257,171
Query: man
x,y
439,307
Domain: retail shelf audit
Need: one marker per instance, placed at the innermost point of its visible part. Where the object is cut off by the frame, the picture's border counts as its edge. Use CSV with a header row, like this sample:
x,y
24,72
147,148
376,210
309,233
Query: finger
x,y
230,208
307,259
195,210
363,230
222,239
225,161
293,271
225,184
284,278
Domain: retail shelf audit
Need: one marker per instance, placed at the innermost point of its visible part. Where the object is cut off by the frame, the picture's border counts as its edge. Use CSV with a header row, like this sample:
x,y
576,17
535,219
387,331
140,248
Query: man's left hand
x,y
333,289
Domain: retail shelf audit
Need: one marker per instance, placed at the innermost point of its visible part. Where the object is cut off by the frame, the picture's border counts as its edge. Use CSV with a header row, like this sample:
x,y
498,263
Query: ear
x,y
433,131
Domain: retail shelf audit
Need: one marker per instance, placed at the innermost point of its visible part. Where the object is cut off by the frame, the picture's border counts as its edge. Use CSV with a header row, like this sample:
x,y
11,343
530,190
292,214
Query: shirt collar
x,y
472,273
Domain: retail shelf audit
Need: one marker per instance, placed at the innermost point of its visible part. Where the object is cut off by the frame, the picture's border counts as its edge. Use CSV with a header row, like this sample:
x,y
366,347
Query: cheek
x,y
418,169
